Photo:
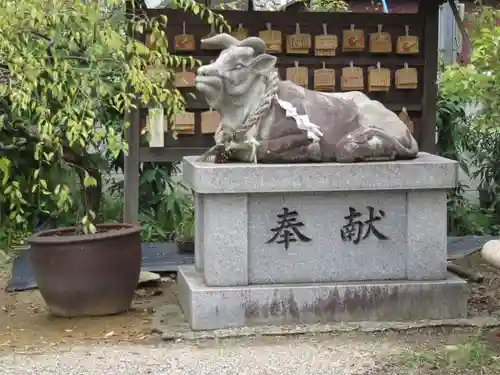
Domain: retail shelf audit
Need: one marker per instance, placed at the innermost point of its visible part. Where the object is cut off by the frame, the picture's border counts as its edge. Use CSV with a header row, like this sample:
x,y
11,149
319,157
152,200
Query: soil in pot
x,y
87,275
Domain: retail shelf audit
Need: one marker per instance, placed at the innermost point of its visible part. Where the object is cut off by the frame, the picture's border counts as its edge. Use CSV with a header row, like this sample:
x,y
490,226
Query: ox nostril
x,y
206,70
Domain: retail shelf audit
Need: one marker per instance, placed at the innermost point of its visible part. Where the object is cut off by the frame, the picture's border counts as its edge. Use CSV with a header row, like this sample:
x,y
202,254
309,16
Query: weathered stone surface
x,y
224,307
425,172
225,245
148,277
234,229
392,265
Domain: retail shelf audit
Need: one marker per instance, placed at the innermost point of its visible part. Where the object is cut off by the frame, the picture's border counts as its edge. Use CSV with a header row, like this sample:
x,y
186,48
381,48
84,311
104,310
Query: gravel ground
x,y
339,356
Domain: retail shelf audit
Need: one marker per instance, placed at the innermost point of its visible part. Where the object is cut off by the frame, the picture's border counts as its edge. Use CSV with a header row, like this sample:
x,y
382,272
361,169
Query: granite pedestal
x,y
306,243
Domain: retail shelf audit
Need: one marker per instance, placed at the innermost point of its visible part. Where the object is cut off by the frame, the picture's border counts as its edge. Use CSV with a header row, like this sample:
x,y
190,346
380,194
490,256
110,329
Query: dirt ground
x,y
484,298
26,325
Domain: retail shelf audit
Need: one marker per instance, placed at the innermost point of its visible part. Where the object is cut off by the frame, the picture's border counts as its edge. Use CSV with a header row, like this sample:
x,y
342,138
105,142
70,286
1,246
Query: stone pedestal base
x,y
224,307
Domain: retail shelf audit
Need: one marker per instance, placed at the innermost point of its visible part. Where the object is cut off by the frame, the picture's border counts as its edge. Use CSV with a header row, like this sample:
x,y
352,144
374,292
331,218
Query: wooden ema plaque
x,y
155,125
185,79
379,79
272,38
298,43
380,42
407,44
183,123
184,42
298,75
210,34
210,122
325,45
240,33
324,79
159,74
406,78
405,117
353,40
352,79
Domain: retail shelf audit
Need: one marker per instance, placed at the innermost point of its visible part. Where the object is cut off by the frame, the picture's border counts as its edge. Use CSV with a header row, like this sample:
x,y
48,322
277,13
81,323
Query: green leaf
x,y
88,180
5,165
211,18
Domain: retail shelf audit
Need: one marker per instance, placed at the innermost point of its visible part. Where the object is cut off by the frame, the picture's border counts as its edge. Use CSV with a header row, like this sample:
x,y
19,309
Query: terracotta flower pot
x,y
86,275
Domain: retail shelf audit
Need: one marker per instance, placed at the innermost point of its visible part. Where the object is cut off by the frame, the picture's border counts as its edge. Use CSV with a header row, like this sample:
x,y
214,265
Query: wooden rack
x,y
420,102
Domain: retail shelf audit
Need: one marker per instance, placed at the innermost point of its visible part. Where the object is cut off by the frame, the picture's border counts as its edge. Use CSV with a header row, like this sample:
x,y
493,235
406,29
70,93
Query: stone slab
x,y
224,307
425,172
225,247
414,246
234,237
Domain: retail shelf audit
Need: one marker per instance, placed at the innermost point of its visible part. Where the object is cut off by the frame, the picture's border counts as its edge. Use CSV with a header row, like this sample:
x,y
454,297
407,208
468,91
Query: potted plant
x,y
184,230
69,73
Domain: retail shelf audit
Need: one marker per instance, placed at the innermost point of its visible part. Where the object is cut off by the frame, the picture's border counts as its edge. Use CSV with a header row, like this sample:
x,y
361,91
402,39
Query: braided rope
x,y
251,124
266,103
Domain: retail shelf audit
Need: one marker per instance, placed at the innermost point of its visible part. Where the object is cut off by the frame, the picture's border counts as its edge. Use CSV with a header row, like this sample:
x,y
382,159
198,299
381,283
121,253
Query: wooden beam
x,y
461,27
132,136
131,170
168,154
430,10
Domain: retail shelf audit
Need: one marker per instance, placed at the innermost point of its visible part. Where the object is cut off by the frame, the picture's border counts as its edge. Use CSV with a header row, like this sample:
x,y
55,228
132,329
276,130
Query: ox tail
x,y
401,150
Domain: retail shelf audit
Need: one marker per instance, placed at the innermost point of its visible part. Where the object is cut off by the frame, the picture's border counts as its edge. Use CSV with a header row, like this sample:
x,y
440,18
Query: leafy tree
x,y
330,5
69,72
478,84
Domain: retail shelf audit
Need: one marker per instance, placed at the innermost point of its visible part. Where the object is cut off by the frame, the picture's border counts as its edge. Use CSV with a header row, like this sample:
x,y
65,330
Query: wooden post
x,y
430,10
131,178
132,136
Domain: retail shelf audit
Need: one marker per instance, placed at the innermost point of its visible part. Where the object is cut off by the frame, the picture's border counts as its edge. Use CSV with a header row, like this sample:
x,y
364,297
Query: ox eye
x,y
239,66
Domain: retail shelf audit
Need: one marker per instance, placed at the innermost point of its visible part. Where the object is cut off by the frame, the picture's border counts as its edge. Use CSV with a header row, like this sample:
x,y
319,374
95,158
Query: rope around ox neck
x,y
250,127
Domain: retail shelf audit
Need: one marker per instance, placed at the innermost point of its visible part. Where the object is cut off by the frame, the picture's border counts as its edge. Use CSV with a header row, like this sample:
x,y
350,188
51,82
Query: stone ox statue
x,y
264,119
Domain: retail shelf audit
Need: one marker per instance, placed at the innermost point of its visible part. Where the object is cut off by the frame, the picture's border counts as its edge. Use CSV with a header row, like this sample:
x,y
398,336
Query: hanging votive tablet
x,y
380,42
185,79
183,123
184,42
325,45
210,121
210,34
379,79
298,75
240,33
406,78
352,78
353,40
324,79
407,44
272,38
298,43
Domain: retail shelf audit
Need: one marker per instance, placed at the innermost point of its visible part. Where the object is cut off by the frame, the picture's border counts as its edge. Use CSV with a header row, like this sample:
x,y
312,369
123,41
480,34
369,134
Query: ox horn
x,y
258,45
224,40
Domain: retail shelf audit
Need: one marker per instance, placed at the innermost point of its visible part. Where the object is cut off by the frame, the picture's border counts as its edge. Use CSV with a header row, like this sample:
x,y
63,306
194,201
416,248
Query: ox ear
x,y
263,63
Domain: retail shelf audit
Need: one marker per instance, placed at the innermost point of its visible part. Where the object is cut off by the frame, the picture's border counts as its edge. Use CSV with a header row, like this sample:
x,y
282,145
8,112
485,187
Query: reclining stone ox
x,y
266,120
